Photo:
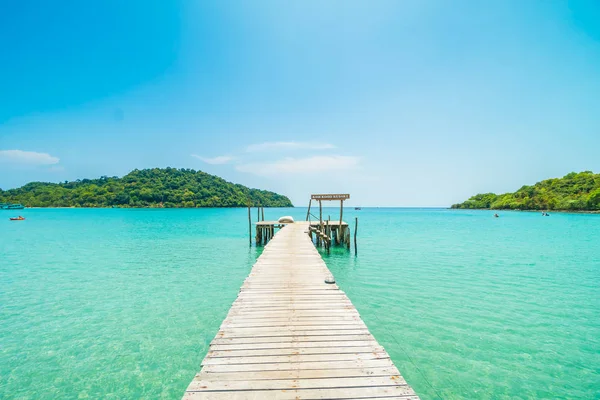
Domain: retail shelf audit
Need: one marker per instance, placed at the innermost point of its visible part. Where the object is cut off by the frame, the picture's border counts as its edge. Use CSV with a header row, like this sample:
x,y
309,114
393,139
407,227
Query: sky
x,y
399,103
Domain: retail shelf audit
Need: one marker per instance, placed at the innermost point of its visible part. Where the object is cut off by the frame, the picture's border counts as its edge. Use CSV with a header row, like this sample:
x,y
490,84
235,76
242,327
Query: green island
x,y
156,187
573,192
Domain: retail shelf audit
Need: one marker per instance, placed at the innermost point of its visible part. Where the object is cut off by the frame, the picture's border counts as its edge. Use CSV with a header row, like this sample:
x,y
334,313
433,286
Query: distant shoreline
x,y
145,188
537,211
139,208
373,207
574,192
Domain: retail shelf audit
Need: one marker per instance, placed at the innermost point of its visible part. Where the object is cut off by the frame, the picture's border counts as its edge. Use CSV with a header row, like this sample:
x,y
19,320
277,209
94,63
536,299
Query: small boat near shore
x,y
7,206
19,218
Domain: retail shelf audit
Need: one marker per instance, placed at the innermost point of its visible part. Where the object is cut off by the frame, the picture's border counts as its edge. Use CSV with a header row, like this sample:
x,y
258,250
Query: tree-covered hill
x,y
573,192
157,187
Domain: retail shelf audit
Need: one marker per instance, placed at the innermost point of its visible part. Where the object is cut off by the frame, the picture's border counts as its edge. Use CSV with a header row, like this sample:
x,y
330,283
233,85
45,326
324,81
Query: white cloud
x,y
27,157
309,165
274,146
214,160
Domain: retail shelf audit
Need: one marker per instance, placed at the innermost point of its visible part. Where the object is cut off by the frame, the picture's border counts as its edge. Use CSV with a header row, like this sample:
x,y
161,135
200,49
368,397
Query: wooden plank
x,y
332,302
287,288
202,384
247,318
295,351
306,365
323,308
303,293
298,374
293,345
283,312
296,293
291,318
298,339
301,329
291,333
339,319
295,358
293,297
288,323
287,395
402,392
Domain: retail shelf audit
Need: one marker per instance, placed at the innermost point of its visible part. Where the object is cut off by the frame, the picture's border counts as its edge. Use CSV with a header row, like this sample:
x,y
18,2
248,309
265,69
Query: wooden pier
x,y
327,232
291,335
324,233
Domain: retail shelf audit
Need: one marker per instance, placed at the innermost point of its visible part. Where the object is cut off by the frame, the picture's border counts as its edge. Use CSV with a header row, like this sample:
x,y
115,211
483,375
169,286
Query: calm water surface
x,y
123,303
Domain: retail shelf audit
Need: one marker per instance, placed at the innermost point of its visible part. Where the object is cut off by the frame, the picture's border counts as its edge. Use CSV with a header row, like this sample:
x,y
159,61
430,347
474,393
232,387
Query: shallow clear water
x,y
123,303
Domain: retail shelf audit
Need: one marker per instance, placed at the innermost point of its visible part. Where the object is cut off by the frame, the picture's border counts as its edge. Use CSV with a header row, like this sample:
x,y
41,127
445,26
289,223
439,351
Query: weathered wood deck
x,y
289,335
312,223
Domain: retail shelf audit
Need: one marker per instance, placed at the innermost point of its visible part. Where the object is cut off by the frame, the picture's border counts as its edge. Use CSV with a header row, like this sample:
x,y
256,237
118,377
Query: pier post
x,y
347,237
341,212
320,212
355,230
249,225
328,234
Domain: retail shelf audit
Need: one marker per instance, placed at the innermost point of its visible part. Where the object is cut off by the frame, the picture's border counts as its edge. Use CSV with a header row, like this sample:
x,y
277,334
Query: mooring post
x,y
249,226
263,213
339,229
320,212
308,212
341,211
328,234
355,230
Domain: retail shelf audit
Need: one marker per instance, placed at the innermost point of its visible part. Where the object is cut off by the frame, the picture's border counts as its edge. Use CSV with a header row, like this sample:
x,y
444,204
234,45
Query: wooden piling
x,y
320,212
341,211
328,233
249,226
355,231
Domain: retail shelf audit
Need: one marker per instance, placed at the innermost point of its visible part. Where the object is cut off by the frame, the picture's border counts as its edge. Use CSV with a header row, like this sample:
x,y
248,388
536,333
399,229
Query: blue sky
x,y
400,103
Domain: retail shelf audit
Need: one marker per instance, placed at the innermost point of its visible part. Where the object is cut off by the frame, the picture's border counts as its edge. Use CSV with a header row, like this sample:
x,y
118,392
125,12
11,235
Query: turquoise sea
x,y
122,304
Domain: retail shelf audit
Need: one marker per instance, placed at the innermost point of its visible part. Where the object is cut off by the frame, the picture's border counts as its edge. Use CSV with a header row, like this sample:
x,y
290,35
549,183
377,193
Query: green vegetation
x,y
157,187
573,192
